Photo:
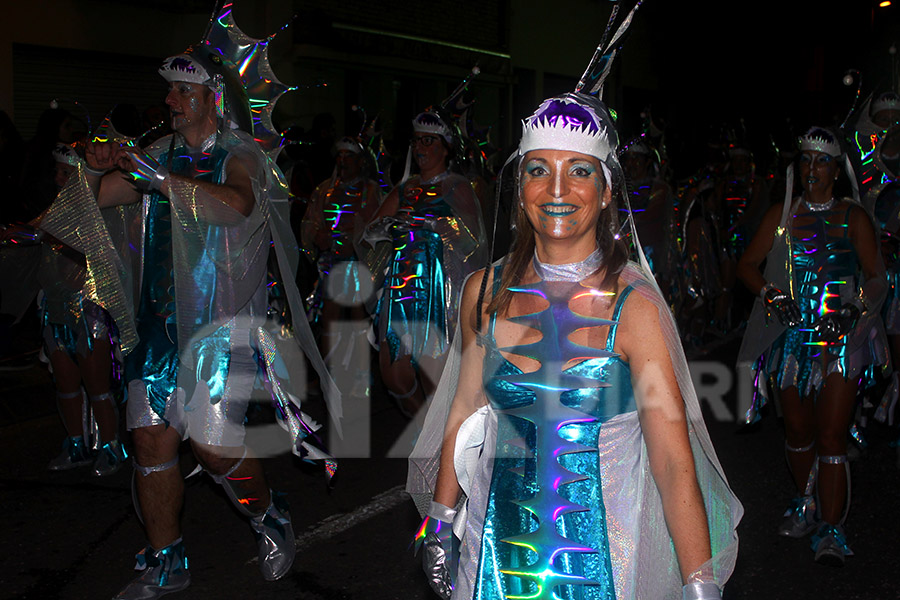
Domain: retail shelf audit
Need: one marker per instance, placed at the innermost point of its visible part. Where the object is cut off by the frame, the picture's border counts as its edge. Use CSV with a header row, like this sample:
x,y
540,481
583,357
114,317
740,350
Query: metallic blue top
x,y
545,532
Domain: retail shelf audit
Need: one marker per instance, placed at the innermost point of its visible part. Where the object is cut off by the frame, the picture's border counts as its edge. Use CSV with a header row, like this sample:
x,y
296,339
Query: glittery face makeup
x,y
817,171
562,193
189,104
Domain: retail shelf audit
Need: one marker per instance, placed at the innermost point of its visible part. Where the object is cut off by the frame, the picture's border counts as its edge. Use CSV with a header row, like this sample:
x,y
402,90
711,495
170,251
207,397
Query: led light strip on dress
x,y
572,272
820,206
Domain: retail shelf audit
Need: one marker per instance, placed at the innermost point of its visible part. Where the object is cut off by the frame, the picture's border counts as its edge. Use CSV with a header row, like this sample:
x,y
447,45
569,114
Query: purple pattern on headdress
x,y
181,63
427,118
570,113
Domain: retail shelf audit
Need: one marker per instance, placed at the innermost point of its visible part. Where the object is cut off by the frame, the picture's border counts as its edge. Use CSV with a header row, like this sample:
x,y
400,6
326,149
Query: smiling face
x,y
817,173
563,194
192,109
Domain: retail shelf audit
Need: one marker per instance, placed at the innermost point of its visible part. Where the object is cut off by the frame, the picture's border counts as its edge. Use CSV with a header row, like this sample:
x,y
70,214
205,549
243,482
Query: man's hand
x,y
104,156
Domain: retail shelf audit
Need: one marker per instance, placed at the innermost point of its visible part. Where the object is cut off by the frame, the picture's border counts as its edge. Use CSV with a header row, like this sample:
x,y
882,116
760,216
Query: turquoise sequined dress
x,y
546,530
826,271
436,243
556,461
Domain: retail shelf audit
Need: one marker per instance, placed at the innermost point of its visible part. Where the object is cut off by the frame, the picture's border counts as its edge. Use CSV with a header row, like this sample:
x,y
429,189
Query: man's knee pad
x,y
234,489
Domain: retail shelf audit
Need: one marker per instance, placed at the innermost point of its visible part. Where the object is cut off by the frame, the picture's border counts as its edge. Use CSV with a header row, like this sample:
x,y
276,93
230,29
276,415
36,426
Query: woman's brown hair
x,y
515,264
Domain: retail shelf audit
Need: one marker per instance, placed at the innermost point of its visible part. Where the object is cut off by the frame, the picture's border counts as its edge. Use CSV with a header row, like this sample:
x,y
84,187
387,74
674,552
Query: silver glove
x,y
782,306
148,173
833,326
701,591
435,562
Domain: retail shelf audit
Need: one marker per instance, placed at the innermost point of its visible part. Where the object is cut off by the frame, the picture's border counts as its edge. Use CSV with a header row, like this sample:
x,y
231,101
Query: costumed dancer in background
x,y
815,330
333,226
80,339
433,221
653,210
205,225
700,264
880,193
564,454
740,203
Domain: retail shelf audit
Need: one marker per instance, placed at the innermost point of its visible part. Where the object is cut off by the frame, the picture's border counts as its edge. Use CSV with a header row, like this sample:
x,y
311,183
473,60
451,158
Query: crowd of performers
x,y
562,451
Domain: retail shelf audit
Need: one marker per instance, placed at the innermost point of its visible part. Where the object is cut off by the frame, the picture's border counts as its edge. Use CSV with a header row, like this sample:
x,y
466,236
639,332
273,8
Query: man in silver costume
x,y
197,208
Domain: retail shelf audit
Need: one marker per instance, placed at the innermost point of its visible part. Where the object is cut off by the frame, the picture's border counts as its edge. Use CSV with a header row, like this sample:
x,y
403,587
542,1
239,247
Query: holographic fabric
x,y
813,256
737,197
825,264
546,522
887,218
437,240
603,434
342,209
226,257
196,268
70,321
75,219
652,207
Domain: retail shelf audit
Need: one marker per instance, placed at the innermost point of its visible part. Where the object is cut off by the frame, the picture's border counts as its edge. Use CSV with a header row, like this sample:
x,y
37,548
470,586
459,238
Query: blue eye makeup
x,y
582,170
535,169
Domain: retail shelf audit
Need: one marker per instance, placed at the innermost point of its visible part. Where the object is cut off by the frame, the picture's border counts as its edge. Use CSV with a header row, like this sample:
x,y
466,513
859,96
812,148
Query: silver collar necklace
x,y
572,272
820,206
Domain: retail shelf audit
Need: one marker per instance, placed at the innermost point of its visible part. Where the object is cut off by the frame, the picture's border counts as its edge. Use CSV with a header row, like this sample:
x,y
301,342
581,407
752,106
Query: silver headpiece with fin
x,y
236,67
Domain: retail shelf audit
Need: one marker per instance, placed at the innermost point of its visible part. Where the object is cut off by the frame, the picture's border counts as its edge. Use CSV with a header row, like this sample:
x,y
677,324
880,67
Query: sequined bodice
x,y
342,205
824,260
424,200
545,532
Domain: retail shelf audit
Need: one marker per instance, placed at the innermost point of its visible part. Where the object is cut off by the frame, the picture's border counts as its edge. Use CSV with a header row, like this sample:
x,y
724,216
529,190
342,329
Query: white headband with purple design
x,y
565,124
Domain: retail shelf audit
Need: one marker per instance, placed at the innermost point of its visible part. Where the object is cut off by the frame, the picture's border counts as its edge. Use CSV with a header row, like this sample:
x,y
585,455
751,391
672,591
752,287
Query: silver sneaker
x,y
110,459
275,538
830,545
164,572
74,454
800,518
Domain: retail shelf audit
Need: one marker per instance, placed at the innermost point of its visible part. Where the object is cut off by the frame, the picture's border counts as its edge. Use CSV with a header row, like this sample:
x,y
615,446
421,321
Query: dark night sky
x,y
765,61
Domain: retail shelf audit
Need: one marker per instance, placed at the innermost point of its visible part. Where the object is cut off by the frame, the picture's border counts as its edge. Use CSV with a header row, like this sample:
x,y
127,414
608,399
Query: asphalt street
x,y
70,536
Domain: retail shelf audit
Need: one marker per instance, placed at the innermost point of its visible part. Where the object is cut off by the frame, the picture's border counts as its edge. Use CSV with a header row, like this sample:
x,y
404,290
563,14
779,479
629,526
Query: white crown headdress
x,y
182,67
564,123
886,101
820,140
349,144
63,153
430,122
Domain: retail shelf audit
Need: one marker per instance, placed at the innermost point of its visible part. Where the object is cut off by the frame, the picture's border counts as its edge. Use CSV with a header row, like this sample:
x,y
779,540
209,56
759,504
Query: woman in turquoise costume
x,y
432,220
814,331
80,339
564,454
